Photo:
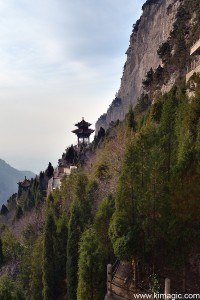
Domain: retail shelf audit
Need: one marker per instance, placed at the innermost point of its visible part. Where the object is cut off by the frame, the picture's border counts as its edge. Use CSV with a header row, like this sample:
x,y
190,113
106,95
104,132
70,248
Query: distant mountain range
x,y
9,177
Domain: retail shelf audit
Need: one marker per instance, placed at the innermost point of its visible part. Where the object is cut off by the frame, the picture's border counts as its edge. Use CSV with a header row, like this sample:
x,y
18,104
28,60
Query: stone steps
x,y
122,283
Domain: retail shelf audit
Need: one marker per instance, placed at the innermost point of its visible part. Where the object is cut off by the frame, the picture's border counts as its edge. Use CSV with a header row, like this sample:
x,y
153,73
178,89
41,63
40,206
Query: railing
x,y
115,268
130,291
118,288
115,284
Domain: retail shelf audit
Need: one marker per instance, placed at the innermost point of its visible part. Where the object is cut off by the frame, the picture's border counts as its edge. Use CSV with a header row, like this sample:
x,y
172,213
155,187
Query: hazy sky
x,y
60,60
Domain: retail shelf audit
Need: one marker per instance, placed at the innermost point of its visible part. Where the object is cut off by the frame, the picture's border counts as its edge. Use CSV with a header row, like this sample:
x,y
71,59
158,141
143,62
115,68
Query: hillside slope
x,y
9,177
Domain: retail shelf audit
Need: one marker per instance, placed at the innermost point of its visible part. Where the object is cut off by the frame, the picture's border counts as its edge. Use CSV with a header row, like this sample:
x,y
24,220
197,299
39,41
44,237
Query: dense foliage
x,y
155,210
136,200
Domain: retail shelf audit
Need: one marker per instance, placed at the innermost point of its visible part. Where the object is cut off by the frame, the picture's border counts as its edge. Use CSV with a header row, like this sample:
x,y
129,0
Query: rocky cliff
x,y
149,33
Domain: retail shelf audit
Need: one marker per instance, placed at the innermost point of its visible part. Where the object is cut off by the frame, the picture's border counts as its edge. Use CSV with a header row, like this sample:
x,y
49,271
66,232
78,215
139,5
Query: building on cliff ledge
x,y
83,132
24,185
195,56
55,181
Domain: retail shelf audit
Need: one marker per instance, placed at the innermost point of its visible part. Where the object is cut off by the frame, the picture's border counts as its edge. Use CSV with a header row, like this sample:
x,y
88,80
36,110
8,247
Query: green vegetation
x,y
135,199
91,268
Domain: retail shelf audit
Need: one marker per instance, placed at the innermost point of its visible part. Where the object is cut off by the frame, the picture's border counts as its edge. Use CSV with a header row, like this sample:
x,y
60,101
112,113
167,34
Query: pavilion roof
x,y
83,123
25,183
80,131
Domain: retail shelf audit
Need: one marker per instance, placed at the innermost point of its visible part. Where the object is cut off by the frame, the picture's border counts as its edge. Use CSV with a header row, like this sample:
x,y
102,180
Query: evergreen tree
x,y
101,224
131,119
36,285
71,156
9,289
61,252
101,133
88,206
124,231
77,223
49,268
19,212
4,210
49,171
91,268
167,132
74,234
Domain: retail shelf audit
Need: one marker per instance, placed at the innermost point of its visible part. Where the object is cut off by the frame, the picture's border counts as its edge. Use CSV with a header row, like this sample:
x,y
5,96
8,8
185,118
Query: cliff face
x,y
152,30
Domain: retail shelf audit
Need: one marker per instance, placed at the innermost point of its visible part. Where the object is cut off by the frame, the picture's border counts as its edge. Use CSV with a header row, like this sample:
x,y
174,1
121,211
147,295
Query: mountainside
x,y
131,208
149,32
9,177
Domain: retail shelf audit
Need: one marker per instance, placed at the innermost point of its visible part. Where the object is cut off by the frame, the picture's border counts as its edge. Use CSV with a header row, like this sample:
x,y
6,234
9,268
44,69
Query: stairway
x,y
123,286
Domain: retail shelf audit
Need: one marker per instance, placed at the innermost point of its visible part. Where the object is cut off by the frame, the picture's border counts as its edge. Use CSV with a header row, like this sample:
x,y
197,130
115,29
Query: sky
x,y
60,60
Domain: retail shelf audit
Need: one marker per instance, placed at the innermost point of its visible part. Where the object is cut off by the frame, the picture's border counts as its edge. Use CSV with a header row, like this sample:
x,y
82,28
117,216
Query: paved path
x,y
113,297
123,286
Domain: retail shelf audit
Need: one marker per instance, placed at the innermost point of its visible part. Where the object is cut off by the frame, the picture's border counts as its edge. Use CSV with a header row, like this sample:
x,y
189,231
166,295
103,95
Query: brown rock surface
x,y
154,28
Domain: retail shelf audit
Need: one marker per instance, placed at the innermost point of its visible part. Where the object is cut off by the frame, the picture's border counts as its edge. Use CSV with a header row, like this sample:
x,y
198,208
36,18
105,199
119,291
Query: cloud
x,y
59,60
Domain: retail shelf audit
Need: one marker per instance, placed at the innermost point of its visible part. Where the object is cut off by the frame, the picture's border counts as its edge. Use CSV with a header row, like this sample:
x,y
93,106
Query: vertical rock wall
x,y
154,28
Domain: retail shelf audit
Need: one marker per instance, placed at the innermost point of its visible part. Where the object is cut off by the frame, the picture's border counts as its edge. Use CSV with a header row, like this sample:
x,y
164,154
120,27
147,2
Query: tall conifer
x,y
49,270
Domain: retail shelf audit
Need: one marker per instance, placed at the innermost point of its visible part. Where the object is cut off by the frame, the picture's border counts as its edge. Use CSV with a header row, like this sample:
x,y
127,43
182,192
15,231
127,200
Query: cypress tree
x,y
74,235
87,207
36,285
167,132
91,272
49,268
77,222
49,171
101,225
61,252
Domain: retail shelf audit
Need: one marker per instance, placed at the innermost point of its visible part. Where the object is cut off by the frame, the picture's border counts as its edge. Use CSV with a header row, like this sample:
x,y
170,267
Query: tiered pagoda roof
x,y
24,184
83,131
83,124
